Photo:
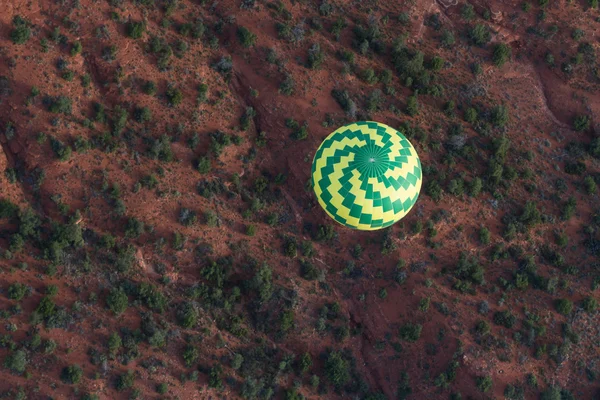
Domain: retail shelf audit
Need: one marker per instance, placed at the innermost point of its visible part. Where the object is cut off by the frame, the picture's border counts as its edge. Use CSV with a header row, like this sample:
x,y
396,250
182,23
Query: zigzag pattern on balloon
x,y
366,175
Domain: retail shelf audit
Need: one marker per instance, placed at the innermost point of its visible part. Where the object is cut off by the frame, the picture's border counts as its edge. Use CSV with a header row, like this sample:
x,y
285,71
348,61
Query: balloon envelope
x,y
366,175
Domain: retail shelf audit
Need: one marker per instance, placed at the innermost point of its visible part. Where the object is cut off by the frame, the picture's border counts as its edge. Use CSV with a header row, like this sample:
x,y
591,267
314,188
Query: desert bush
x,y
410,332
337,369
568,209
58,104
117,301
287,86
480,35
202,93
505,318
17,361
316,56
501,54
467,12
109,53
448,40
142,114
482,328
187,217
174,96
18,291
590,185
125,381
149,88
8,209
589,304
214,377
135,29
374,101
581,123
190,355
71,374
76,49
246,38
499,116
342,97
484,383
187,315
21,31
484,235
564,306
246,118
134,228
114,343
412,106
162,388
204,165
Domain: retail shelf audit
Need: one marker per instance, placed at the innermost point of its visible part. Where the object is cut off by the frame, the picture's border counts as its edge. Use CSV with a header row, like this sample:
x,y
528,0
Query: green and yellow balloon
x,y
366,175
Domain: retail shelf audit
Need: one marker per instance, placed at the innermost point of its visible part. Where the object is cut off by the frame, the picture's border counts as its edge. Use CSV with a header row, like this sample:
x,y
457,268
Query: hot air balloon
x,y
366,175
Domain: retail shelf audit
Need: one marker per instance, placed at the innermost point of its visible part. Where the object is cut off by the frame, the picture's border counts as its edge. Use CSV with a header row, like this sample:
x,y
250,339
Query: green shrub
x,y
581,123
484,383
126,380
8,209
410,332
448,40
142,114
134,228
589,304
204,165
337,369
174,96
482,328
114,343
369,76
16,361
436,63
484,235
162,388
187,315
480,35
214,377
287,86
117,301
569,209
149,88
190,355
135,29
187,217
590,185
316,56
17,291
71,374
475,187
246,38
505,318
412,106
21,32
501,54
499,116
433,190
59,104
564,306
237,361
76,49
286,321
467,12
109,53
